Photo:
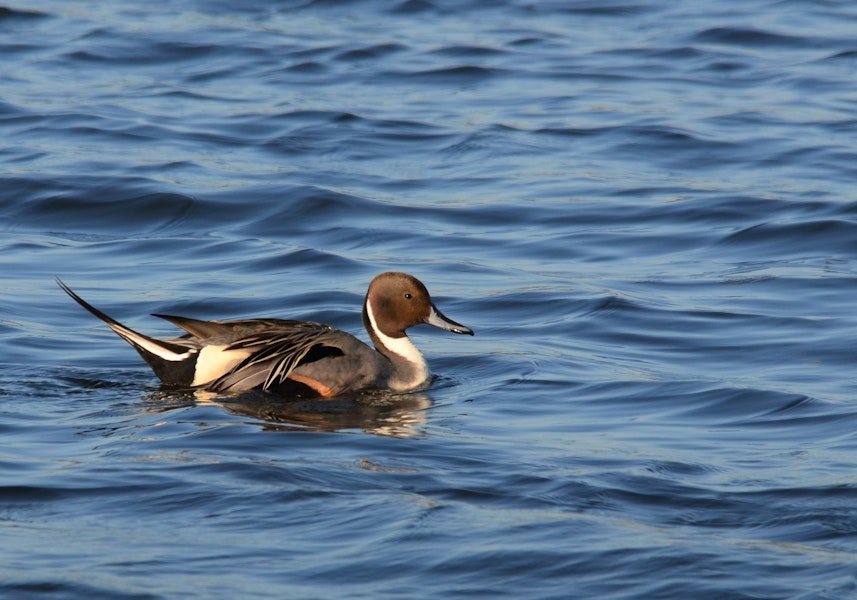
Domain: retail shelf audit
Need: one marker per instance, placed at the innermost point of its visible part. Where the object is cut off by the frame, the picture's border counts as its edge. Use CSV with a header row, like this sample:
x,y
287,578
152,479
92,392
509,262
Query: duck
x,y
292,357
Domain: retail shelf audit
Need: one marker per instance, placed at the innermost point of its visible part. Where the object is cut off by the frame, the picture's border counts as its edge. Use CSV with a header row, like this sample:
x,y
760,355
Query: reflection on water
x,y
378,413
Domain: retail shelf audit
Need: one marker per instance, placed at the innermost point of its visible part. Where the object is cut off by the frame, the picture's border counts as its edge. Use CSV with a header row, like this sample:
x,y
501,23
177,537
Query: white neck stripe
x,y
401,346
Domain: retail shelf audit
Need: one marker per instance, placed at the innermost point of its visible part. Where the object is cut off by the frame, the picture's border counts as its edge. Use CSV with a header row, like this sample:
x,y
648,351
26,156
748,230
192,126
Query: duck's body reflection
x,y
379,413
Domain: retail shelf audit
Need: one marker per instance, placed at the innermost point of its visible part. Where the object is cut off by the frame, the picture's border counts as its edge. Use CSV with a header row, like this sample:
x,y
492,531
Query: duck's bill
x,y
437,319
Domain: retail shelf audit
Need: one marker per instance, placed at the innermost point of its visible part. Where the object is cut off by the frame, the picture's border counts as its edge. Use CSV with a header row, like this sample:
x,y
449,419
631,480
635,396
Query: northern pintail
x,y
300,358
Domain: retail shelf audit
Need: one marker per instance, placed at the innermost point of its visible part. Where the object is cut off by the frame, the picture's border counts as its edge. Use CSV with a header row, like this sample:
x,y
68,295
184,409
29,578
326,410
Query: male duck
x,y
296,357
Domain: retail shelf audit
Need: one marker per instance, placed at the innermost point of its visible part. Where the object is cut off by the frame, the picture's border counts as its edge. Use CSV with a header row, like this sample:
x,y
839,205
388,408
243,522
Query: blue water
x,y
645,209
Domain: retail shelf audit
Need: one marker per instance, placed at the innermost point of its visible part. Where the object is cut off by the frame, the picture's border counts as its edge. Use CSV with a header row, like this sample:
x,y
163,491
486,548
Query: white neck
x,y
404,348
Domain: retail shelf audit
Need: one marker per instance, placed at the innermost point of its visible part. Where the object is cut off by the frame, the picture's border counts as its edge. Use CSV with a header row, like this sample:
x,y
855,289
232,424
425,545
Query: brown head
x,y
397,301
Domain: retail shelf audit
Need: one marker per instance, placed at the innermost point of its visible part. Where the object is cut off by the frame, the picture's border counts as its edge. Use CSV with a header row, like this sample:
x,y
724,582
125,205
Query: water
x,y
646,210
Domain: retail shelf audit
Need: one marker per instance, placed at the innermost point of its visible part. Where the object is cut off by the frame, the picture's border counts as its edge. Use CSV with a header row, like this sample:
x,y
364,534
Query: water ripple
x,y
645,210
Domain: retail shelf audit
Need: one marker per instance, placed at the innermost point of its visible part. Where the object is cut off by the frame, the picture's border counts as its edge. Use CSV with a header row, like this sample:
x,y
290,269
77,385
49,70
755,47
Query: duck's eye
x,y
408,296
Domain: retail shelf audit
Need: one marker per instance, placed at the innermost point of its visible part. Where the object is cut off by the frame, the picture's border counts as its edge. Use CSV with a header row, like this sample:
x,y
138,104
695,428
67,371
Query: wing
x,y
276,353
205,330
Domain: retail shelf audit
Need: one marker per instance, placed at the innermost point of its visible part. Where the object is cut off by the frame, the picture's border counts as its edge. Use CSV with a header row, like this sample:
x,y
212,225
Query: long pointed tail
x,y
155,352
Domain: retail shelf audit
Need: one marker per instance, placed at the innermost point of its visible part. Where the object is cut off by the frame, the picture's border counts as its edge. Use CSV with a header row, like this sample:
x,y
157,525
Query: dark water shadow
x,y
378,413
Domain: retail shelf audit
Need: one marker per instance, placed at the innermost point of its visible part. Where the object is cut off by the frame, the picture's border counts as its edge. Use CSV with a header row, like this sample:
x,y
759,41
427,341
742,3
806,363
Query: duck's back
x,y
281,355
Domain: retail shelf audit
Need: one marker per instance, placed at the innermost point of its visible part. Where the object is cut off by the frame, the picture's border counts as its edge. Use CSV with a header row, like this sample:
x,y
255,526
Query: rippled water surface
x,y
646,210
